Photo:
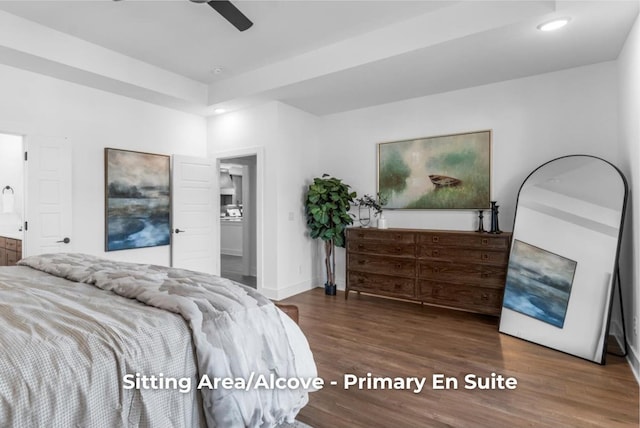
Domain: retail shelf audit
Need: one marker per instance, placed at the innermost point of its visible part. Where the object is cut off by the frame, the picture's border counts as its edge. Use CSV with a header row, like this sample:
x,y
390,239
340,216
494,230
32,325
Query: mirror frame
x,y
615,279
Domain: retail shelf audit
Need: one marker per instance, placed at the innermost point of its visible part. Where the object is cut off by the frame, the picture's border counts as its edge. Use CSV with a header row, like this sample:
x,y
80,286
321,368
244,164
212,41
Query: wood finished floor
x,y
231,268
367,334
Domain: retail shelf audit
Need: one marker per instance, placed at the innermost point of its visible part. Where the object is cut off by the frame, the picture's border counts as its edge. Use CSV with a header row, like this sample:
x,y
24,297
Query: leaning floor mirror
x,y
564,256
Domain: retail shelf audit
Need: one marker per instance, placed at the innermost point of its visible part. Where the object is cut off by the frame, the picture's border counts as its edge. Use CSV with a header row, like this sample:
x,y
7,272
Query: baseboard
x,y
632,355
632,358
634,362
340,282
283,293
231,252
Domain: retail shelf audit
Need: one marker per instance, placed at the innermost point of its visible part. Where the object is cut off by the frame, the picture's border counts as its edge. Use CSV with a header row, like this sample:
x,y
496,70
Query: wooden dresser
x,y
461,270
10,251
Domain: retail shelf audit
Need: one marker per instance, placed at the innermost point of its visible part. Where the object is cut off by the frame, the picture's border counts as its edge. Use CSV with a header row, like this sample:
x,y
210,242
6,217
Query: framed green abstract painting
x,y
444,172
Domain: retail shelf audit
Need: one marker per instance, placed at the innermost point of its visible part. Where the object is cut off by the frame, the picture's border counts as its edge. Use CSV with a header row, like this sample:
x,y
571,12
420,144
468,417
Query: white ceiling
x,y
320,56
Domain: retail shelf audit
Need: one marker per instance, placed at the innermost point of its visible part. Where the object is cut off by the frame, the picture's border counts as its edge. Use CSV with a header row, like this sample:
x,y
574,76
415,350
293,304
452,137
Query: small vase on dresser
x,y
382,222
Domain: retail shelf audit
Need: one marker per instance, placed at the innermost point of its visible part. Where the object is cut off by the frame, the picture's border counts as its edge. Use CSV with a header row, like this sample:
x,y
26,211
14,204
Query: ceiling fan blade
x,y
231,14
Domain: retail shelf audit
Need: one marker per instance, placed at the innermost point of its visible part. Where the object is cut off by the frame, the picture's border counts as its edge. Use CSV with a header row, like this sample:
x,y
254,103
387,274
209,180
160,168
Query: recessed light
x,y
553,25
220,111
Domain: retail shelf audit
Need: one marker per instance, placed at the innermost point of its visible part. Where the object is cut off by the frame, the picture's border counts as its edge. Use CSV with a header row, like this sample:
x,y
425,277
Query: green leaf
x,y
327,206
328,234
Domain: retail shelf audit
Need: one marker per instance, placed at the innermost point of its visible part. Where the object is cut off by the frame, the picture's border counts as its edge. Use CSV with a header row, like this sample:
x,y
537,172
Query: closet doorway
x,y
238,219
11,198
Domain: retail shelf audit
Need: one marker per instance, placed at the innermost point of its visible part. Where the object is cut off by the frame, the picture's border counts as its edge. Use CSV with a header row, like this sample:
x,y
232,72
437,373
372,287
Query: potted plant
x,y
376,204
327,209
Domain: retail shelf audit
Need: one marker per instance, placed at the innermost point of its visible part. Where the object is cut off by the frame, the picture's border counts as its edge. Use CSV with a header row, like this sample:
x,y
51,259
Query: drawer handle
x,y
361,262
485,256
360,247
485,241
484,275
435,239
435,270
360,281
435,253
398,266
485,296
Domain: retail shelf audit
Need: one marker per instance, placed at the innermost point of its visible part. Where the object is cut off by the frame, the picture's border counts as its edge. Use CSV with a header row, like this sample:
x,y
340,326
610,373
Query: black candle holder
x,y
480,221
494,218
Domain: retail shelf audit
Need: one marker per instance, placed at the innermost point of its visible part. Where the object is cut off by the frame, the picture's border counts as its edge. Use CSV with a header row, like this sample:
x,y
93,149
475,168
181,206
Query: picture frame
x,y
446,172
137,199
539,283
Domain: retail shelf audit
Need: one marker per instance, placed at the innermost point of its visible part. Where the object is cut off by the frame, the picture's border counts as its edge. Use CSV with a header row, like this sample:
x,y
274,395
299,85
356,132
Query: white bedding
x,y
71,334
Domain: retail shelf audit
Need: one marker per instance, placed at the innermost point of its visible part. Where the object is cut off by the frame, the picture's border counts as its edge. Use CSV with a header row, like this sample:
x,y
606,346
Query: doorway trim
x,y
22,188
258,152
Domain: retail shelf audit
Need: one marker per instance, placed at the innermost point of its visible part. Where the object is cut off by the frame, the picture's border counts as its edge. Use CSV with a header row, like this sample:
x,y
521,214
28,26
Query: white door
x,y
48,221
193,189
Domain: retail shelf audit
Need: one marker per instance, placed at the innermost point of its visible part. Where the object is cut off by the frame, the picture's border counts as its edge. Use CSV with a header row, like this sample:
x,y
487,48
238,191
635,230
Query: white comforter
x,y
237,334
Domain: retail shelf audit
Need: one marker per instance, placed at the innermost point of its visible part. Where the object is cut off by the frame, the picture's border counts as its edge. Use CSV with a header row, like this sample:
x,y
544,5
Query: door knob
x,y
64,241
178,230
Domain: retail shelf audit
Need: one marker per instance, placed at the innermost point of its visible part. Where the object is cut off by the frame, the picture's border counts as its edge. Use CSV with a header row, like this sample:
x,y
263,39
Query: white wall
x,y
285,140
629,106
298,142
533,119
33,104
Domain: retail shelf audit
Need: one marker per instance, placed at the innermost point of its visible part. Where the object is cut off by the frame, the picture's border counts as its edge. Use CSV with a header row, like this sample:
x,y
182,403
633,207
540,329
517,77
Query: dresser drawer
x,y
382,264
463,254
11,244
3,257
382,247
477,299
470,273
12,258
367,234
474,240
3,242
387,285
458,269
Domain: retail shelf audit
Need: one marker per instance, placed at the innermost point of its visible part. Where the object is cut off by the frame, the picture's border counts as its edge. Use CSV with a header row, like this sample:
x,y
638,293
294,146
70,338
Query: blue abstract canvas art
x,y
137,199
539,283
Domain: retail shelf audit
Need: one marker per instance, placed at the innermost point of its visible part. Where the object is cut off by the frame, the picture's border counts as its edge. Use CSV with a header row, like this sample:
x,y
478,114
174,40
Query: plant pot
x,y
330,289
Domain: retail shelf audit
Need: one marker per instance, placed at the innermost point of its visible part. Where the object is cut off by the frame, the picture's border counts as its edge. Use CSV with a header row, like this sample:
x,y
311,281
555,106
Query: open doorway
x,y
12,191
238,219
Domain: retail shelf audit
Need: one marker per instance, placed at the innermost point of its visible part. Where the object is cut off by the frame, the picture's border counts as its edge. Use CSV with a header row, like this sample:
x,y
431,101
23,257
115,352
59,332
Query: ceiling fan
x,y
228,12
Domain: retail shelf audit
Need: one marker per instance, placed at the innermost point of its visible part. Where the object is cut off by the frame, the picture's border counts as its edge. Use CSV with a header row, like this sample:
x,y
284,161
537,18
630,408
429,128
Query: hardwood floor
x,y
231,268
367,334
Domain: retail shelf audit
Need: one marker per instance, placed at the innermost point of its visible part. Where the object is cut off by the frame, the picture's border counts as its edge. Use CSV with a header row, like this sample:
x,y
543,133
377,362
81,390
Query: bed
x,y
86,341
